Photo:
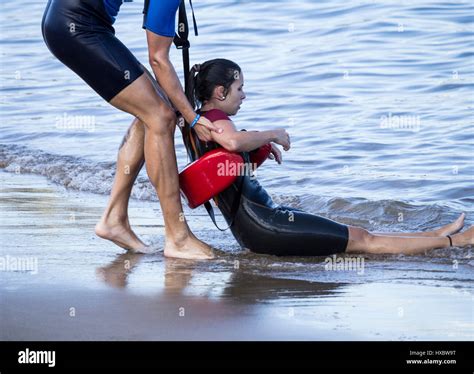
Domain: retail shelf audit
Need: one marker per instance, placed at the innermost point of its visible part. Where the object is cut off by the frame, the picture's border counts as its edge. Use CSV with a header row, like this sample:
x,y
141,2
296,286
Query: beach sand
x,y
76,286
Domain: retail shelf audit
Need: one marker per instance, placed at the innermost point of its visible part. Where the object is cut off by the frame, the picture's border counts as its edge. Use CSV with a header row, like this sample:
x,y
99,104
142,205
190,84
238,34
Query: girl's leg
x,y
362,241
448,229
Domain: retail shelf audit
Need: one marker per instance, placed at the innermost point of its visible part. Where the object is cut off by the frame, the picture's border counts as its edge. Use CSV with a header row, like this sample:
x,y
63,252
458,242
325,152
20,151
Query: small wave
x,y
375,215
385,216
71,172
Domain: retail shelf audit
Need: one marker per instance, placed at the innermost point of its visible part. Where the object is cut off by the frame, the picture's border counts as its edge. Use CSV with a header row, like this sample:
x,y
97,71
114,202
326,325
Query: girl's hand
x,y
282,138
275,154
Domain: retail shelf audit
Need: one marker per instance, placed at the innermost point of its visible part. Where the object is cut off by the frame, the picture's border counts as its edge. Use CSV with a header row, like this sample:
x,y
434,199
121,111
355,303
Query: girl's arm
x,y
246,141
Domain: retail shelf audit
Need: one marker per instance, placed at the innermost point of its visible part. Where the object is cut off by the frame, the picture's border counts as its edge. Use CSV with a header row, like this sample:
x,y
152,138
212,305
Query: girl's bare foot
x,y
189,248
464,239
122,235
453,227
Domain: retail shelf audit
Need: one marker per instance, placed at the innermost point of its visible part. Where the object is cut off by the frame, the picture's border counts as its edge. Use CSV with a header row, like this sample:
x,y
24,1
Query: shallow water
x,y
238,296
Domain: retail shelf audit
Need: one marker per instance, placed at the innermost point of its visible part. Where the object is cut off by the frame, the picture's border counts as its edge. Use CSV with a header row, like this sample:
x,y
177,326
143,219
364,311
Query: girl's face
x,y
235,95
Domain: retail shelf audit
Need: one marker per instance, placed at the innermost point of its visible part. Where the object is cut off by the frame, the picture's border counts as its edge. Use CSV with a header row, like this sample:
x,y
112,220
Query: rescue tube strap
x,y
145,11
235,203
191,142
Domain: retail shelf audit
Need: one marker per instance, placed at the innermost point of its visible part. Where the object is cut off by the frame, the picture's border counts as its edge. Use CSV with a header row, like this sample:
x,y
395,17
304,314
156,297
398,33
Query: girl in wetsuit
x,y
265,227
80,34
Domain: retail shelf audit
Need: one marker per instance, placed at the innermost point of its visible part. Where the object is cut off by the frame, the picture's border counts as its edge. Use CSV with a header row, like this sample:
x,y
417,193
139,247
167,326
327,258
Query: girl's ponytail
x,y
191,86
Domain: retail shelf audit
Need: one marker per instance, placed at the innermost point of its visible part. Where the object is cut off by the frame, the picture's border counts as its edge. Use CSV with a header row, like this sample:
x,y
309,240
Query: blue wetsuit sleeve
x,y
161,17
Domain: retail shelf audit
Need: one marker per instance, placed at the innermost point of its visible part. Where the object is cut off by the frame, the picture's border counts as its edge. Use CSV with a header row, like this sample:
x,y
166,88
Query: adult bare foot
x,y
464,239
453,227
190,248
122,235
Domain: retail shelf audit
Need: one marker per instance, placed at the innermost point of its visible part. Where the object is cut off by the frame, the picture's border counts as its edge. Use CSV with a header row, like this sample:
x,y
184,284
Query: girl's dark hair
x,y
205,77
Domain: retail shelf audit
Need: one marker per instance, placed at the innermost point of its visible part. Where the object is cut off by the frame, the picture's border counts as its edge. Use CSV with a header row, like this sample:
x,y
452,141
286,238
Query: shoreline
x,y
85,288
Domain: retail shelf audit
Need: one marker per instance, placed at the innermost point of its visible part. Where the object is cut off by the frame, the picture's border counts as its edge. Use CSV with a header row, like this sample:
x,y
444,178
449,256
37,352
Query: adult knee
x,y
161,122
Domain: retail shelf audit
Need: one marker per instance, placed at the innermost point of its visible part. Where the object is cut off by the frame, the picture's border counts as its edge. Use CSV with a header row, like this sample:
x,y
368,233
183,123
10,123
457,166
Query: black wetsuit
x,y
80,34
263,226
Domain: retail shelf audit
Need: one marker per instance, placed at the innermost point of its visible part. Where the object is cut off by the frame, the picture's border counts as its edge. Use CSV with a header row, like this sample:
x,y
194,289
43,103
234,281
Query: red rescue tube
x,y
259,155
209,175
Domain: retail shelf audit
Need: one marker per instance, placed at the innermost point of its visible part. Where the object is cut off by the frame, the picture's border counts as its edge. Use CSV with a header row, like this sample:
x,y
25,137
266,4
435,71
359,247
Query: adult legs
x,y
141,100
114,224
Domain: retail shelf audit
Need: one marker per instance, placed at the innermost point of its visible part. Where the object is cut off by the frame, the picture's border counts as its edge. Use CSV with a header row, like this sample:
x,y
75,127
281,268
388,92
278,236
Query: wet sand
x,y
80,287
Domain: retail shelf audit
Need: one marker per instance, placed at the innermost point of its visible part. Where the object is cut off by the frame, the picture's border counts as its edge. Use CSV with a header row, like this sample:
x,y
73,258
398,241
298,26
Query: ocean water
x,y
377,97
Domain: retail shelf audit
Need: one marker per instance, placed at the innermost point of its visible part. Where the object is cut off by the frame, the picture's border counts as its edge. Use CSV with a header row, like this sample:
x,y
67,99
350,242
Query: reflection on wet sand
x,y
223,279
178,273
116,273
